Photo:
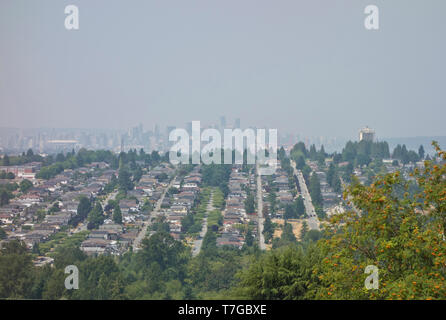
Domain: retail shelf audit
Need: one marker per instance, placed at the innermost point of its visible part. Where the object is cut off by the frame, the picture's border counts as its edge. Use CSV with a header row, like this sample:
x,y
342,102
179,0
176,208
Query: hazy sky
x,y
307,66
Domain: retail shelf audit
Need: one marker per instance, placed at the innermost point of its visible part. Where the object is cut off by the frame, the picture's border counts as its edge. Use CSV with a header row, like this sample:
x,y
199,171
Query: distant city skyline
x,y
54,140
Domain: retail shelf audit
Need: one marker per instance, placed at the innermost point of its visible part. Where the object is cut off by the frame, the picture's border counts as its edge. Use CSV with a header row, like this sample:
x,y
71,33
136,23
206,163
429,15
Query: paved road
x,y
313,221
111,196
204,228
141,235
260,218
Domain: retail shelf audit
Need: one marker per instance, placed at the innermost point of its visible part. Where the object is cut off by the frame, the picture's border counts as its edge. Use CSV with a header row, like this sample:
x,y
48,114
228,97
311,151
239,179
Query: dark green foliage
x,y
216,176
15,270
167,253
401,153
187,222
364,151
5,160
124,181
25,185
66,256
209,245
295,210
421,152
312,235
4,197
287,238
250,204
333,179
249,238
348,171
96,216
117,215
268,229
160,225
315,190
83,209
284,274
7,175
73,161
287,234
304,230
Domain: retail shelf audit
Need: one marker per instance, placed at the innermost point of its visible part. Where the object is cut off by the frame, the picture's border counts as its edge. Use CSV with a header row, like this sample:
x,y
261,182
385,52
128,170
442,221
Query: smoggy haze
x,y
307,66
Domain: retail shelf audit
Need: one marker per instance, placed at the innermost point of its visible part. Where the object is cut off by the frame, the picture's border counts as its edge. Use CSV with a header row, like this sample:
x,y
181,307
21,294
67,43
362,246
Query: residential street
x,y
313,221
153,214
260,218
197,243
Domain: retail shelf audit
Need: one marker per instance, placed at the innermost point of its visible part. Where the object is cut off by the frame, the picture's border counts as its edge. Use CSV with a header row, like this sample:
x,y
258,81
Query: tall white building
x,y
366,134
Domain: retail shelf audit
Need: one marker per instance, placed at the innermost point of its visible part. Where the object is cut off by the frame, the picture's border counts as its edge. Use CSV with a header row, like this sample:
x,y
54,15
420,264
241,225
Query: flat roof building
x,y
366,134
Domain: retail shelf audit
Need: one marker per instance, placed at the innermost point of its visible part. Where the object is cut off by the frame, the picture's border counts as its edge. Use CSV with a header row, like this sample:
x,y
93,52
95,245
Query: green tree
x,y
15,271
249,239
330,173
83,209
117,215
124,181
54,287
421,152
209,245
6,160
4,198
68,255
36,249
315,190
402,236
287,238
96,216
303,230
268,229
168,254
300,162
290,213
250,204
336,183
313,235
283,274
25,185
299,206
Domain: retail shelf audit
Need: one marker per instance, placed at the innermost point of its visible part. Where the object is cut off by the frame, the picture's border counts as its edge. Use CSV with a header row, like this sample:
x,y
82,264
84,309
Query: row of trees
x,y
162,269
333,179
363,152
401,153
72,160
295,210
24,158
7,175
217,175
7,190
